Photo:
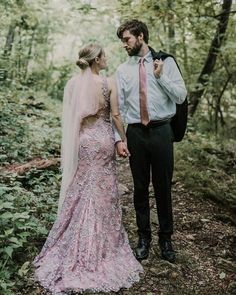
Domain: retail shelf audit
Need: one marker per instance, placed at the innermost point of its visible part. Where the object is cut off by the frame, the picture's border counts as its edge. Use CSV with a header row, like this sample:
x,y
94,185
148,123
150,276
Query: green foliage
x,y
13,128
29,129
27,126
27,208
207,166
61,76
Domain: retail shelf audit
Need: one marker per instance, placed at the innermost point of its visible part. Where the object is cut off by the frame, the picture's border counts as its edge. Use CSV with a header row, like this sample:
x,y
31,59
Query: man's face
x,y
131,43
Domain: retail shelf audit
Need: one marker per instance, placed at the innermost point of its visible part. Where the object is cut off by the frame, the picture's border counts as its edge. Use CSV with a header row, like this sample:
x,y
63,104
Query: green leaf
x,y
3,285
222,275
6,215
14,240
3,189
6,205
10,197
9,231
24,269
23,215
9,251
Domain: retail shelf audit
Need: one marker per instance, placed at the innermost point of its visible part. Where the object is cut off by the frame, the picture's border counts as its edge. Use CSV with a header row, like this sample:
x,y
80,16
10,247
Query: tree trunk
x,y
218,106
29,52
186,66
203,79
9,41
171,28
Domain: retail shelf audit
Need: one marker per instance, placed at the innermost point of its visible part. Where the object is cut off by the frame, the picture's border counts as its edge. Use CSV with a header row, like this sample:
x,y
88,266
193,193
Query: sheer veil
x,y
79,101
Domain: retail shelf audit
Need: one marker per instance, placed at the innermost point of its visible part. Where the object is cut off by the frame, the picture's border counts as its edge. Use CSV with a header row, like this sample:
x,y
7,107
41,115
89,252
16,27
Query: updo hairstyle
x,y
88,54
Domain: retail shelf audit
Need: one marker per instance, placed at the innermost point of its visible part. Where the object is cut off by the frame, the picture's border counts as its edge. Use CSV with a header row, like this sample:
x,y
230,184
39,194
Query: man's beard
x,y
135,50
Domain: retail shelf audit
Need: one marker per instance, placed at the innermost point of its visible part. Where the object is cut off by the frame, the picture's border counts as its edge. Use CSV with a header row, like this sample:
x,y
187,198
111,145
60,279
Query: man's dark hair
x,y
135,27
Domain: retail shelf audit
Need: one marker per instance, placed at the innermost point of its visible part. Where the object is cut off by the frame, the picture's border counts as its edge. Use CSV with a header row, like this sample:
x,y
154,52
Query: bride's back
x,y
101,90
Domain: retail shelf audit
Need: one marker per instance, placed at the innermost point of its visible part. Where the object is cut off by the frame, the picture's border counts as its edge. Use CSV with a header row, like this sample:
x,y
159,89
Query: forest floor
x,y
204,239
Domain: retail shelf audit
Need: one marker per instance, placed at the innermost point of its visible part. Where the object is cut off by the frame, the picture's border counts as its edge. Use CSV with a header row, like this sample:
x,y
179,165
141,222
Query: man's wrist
x,y
120,140
158,75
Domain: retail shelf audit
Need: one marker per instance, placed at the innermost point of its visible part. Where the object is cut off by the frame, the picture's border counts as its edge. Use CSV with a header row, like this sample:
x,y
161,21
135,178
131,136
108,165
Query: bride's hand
x,y
122,150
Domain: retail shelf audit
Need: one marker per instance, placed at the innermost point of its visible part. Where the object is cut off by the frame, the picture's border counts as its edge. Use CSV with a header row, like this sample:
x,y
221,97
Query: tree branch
x,y
36,163
208,67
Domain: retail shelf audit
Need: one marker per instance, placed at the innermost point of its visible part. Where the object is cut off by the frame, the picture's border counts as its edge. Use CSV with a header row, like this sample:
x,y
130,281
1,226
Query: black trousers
x,y
151,150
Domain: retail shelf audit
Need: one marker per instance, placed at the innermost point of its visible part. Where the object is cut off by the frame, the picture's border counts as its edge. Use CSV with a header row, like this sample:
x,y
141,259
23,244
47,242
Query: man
x,y
148,93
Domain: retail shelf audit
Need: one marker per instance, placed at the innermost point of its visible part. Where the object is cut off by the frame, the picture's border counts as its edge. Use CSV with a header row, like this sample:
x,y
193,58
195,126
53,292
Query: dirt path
x,y
205,246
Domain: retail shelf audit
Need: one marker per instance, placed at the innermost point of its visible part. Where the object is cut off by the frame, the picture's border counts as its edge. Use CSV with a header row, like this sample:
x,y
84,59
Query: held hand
x,y
122,149
158,67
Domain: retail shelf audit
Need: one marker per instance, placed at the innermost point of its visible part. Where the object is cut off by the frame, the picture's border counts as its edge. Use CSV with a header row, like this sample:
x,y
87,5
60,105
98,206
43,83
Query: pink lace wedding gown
x,y
87,247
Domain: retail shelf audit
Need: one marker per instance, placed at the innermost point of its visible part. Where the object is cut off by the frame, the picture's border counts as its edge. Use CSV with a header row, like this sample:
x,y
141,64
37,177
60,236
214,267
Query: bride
x,y
87,248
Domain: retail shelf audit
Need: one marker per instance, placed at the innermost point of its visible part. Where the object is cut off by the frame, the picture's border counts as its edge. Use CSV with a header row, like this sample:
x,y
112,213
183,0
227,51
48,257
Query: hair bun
x,y
82,63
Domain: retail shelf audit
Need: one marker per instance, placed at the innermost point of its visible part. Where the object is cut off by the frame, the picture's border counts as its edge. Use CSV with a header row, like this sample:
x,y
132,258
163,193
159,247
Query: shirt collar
x,y
147,57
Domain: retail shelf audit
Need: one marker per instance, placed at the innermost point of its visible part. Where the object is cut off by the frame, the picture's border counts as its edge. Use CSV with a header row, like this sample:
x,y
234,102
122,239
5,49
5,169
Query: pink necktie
x,y
143,92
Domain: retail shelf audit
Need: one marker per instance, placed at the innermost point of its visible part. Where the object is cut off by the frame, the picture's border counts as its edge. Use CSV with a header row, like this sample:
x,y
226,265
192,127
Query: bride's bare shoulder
x,y
111,81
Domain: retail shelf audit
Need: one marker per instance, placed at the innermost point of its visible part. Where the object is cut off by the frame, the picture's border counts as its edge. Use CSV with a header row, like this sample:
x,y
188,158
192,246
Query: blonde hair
x,y
88,54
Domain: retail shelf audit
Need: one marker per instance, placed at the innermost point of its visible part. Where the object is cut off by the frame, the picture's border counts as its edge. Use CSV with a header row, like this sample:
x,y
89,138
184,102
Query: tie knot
x,y
141,61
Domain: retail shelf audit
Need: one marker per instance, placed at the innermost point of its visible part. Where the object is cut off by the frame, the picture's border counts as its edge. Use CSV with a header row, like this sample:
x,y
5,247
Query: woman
x,y
87,247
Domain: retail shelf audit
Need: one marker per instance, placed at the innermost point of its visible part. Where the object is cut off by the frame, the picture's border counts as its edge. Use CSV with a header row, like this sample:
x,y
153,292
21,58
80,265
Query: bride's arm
x,y
115,112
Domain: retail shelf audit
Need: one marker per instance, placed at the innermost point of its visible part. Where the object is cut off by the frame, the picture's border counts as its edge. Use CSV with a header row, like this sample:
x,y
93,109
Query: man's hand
x,y
158,67
122,150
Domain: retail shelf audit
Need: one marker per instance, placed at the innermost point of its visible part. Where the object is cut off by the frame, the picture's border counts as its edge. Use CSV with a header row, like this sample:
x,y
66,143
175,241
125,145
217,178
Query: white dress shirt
x,y
162,93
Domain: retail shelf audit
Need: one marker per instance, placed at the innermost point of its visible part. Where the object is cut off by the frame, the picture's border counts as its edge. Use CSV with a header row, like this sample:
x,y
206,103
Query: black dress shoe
x,y
142,250
167,251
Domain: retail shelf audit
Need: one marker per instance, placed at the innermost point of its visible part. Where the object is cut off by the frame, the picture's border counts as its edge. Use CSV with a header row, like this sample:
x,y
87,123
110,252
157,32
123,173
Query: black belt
x,y
151,124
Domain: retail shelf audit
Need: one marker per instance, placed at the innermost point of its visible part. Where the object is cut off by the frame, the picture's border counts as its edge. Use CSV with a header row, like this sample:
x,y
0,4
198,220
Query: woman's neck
x,y
95,70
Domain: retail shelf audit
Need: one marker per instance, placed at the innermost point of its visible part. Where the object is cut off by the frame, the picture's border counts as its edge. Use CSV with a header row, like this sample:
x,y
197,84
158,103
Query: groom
x,y
148,93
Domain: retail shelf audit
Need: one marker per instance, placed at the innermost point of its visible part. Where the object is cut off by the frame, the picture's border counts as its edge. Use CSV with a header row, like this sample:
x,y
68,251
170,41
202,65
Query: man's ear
x,y
96,59
141,36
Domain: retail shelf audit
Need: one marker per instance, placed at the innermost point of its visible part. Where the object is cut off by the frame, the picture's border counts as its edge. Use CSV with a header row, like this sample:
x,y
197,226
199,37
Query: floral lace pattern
x,y
87,247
